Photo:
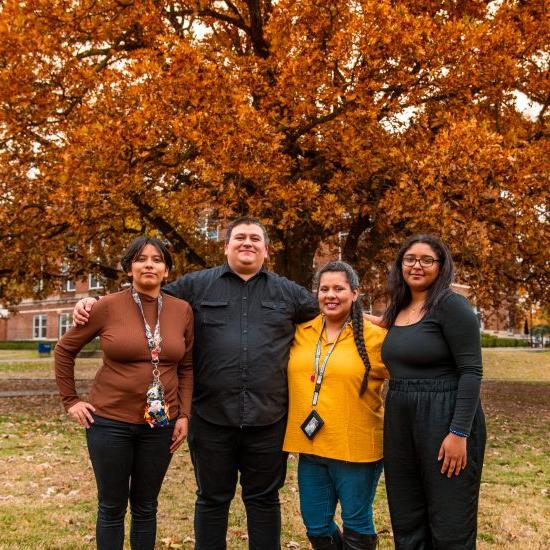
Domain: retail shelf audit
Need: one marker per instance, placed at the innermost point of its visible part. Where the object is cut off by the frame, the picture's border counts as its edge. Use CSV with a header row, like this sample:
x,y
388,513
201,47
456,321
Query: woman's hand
x,y
374,319
454,454
81,311
180,433
82,413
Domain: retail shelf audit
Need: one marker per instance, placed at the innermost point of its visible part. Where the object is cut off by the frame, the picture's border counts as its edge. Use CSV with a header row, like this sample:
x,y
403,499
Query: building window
x,y
69,285
65,323
209,226
39,326
342,236
94,282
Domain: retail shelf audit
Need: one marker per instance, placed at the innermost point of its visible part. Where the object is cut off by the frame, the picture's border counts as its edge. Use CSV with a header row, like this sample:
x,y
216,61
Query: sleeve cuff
x,y
456,432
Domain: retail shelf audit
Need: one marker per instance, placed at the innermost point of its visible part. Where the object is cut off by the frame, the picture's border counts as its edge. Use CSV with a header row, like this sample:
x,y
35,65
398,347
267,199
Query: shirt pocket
x,y
214,313
274,313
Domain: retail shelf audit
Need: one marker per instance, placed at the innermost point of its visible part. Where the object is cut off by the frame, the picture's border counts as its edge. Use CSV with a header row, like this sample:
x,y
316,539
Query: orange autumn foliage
x,y
352,122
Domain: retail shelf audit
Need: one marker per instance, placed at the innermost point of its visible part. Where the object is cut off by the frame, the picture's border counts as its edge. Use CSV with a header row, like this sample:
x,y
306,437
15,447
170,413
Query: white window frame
x,y
39,285
210,228
39,326
69,285
96,280
64,323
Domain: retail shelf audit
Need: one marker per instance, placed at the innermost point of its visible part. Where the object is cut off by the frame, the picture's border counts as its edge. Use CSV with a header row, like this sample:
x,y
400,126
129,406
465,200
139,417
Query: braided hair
x,y
356,313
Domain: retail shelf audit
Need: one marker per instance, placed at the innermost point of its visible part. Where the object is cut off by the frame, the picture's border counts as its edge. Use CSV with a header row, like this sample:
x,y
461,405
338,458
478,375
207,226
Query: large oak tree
x,y
353,123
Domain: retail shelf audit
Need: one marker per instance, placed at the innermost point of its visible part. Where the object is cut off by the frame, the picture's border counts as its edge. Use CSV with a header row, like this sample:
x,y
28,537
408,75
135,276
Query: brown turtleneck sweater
x,y
118,391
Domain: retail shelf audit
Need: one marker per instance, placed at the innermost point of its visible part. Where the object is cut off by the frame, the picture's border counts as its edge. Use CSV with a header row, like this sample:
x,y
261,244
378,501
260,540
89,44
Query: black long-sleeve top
x,y
243,333
444,343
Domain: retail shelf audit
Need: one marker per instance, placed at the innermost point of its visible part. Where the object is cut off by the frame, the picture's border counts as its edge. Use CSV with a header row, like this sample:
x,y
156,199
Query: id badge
x,y
312,424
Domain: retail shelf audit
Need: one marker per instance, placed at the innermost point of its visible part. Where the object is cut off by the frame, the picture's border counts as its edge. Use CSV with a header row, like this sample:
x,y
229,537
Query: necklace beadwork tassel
x,y
156,412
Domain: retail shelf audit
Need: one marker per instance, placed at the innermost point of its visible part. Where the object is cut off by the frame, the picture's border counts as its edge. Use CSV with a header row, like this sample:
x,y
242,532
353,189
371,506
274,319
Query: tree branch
x,y
215,15
293,135
259,43
234,9
168,230
129,40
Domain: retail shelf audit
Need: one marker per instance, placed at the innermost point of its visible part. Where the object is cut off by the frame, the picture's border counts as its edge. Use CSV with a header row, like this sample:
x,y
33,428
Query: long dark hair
x,y
356,312
398,293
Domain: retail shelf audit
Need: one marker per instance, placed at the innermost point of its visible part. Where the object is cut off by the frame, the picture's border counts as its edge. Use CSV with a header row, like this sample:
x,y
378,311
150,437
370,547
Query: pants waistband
x,y
111,422
423,384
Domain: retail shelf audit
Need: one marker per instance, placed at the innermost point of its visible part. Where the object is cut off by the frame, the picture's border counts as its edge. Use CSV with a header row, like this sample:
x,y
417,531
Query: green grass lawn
x,y
47,496
518,365
499,364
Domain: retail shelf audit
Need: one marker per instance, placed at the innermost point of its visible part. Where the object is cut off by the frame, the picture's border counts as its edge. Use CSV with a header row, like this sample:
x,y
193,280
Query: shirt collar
x,y
316,324
227,270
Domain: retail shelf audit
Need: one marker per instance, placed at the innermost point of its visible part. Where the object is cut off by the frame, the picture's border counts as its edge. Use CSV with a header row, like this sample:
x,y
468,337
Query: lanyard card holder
x,y
156,411
312,424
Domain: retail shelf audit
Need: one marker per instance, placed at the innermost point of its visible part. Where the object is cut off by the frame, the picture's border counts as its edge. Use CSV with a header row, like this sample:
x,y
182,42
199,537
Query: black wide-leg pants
x,y
428,510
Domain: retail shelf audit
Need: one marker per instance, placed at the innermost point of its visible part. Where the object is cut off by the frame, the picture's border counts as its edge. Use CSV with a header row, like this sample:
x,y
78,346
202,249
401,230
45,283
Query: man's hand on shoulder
x,y
81,311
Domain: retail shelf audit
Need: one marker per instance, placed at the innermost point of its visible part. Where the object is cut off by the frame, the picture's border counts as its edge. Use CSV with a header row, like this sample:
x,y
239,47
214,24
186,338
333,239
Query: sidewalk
x,y
28,387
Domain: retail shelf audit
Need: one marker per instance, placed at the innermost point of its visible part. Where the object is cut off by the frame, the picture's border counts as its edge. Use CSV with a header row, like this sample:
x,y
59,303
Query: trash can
x,y
44,349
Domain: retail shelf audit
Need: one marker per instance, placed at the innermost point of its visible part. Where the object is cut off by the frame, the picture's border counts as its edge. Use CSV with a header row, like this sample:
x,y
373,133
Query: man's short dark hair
x,y
246,220
135,248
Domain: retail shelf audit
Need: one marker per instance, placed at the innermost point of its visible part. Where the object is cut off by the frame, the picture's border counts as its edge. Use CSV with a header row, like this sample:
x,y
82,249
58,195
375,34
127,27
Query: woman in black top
x,y
434,429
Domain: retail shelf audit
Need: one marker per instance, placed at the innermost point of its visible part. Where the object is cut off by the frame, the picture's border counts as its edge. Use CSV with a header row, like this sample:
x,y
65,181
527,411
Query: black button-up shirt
x,y
243,333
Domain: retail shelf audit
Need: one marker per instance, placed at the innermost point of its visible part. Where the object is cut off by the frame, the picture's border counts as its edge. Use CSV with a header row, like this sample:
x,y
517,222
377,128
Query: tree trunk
x,y
295,259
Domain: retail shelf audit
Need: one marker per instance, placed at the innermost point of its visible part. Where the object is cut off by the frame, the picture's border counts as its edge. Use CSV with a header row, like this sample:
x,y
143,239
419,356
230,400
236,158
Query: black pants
x,y
219,453
129,461
427,509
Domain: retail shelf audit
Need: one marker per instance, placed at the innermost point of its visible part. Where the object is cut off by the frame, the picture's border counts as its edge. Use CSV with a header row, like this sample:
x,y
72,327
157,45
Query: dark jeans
x,y
428,510
219,454
129,461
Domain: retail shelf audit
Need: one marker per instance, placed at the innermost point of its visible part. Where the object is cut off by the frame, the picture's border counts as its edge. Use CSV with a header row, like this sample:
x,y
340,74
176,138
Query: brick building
x,y
48,319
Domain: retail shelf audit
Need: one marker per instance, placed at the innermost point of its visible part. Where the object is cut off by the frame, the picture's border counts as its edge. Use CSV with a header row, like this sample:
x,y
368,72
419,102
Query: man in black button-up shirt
x,y
244,325
243,332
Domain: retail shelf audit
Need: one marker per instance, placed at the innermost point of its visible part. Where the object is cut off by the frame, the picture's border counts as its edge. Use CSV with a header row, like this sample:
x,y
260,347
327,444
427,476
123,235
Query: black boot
x,y
359,541
327,543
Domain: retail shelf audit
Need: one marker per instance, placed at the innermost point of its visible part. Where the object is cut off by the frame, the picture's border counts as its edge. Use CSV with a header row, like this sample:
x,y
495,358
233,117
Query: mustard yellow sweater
x,y
353,423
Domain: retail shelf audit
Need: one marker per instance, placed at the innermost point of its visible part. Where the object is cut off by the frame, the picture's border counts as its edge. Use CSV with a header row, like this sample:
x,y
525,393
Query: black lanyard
x,y
320,372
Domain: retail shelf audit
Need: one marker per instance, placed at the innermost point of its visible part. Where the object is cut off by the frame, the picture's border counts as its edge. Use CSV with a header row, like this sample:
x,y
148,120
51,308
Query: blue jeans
x,y
129,461
324,481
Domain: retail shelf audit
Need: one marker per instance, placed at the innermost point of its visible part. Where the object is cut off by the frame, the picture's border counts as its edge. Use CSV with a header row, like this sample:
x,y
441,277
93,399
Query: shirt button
x,y
244,314
245,331
245,349
244,297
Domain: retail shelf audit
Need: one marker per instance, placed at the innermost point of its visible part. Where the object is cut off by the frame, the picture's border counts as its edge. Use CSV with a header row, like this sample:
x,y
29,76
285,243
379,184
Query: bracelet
x,y
456,432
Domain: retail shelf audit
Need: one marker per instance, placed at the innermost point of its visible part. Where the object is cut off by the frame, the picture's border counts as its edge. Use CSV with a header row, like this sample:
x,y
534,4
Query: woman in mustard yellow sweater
x,y
335,377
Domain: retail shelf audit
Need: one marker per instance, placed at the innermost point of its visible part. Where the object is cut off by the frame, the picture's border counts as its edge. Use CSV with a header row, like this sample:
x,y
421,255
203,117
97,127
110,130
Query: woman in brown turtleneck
x,y
130,452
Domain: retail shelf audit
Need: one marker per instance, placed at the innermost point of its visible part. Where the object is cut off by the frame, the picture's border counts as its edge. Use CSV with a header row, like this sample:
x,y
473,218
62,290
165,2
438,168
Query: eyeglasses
x,y
424,261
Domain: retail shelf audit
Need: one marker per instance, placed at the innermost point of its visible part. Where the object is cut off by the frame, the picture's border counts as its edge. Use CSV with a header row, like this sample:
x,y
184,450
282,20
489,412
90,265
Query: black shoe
x,y
327,543
359,541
